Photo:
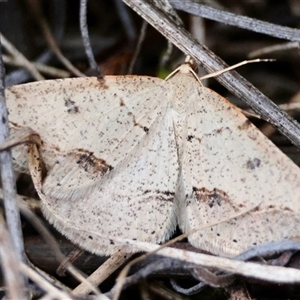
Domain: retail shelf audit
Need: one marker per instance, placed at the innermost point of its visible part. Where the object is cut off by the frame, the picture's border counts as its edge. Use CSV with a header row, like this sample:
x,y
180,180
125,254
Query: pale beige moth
x,y
135,156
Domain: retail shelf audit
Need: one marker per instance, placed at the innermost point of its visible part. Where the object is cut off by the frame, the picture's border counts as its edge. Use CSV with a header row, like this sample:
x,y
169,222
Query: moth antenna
x,y
217,73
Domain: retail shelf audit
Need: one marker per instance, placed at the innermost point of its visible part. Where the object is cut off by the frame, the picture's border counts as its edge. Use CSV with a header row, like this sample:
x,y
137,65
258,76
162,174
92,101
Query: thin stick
x,y
249,269
35,5
105,270
20,58
228,18
8,180
274,48
86,39
49,70
138,46
43,284
10,266
126,20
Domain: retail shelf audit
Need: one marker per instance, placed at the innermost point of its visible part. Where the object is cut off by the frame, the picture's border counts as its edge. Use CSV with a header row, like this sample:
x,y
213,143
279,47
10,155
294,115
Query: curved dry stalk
x,y
20,58
228,18
138,46
9,190
274,48
10,266
50,39
48,70
86,39
50,289
103,272
126,20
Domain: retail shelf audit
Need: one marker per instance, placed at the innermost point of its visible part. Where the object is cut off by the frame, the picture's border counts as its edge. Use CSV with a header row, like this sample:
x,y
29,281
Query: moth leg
x,y
19,137
36,166
20,140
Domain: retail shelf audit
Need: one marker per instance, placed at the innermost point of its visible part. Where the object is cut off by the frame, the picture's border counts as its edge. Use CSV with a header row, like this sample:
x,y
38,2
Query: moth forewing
x,y
88,114
229,166
126,179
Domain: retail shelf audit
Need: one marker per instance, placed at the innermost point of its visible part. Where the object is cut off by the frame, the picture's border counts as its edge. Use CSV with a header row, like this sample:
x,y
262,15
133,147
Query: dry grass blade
x,y
228,18
103,272
49,70
9,192
51,290
20,58
50,39
10,266
86,39
268,273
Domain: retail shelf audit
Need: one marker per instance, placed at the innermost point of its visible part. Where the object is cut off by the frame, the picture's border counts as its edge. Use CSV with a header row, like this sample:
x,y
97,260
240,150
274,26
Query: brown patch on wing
x,y
212,198
245,125
102,83
15,124
122,103
15,92
56,148
215,198
161,195
87,161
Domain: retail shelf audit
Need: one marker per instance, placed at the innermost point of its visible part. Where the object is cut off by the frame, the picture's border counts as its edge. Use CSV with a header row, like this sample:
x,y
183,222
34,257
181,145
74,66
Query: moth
x,y
135,156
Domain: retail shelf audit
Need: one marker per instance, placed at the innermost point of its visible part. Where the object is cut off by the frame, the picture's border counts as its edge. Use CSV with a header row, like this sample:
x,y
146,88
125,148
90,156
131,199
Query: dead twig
x,y
48,70
126,20
10,266
103,272
43,284
228,18
9,191
138,46
20,58
50,39
86,39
